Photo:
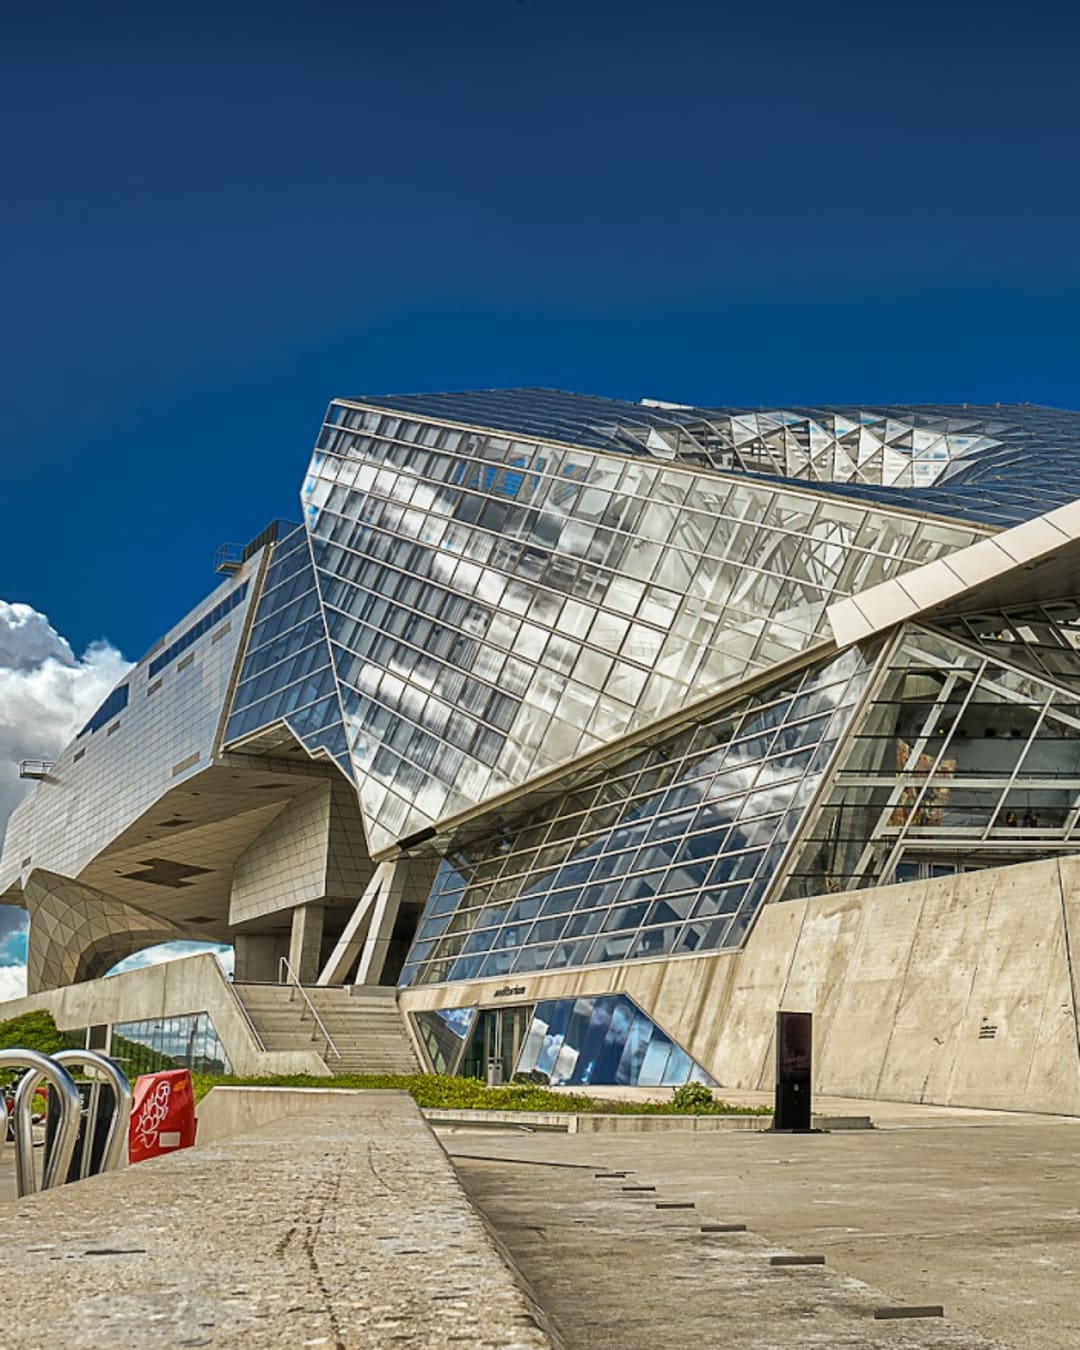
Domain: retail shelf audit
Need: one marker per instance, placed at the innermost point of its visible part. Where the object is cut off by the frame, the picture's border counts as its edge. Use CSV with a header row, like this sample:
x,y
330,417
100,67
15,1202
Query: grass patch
x,y
469,1094
38,1031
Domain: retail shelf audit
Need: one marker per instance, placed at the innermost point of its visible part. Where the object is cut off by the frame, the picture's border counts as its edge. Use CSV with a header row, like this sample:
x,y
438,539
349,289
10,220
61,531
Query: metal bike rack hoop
x,y
117,1137
42,1069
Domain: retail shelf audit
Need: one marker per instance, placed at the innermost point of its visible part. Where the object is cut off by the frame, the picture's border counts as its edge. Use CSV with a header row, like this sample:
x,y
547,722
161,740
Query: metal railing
x,y
287,970
228,559
58,1157
243,1010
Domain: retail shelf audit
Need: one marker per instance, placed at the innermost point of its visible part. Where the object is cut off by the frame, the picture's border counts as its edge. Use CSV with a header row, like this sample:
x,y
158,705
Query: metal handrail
x,y
283,965
243,1011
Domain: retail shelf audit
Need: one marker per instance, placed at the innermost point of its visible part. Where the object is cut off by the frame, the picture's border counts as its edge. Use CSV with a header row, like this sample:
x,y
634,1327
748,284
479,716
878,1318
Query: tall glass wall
x,y
959,761
671,852
498,607
606,1040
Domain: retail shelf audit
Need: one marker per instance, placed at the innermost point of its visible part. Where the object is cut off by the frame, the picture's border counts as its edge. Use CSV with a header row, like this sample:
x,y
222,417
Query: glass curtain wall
x,y
959,761
287,674
1042,638
444,1033
672,852
1000,464
498,607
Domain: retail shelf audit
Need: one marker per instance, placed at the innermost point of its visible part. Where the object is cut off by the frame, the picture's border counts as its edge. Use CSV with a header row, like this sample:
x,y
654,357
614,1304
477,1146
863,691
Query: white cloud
x,y
12,982
169,951
47,694
28,639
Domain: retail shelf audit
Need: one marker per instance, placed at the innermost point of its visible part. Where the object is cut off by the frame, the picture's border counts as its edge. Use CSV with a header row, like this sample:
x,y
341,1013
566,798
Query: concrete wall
x,y
906,983
189,985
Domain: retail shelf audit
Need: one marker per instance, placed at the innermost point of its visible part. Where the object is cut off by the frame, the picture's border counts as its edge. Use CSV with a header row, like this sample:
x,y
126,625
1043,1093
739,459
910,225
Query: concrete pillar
x,y
305,941
350,943
257,956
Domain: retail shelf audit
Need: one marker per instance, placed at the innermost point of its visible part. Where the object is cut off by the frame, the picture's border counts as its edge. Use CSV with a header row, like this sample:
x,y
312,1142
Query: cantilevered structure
x,y
546,701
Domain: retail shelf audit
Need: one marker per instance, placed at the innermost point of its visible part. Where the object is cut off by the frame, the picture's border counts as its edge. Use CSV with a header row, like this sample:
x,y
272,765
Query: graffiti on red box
x,y
162,1116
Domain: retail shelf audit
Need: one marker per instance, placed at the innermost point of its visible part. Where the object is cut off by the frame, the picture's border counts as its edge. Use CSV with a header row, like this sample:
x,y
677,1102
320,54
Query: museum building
x,y
598,731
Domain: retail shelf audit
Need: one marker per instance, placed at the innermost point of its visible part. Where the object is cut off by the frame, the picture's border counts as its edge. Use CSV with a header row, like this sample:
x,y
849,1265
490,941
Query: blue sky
x,y
218,217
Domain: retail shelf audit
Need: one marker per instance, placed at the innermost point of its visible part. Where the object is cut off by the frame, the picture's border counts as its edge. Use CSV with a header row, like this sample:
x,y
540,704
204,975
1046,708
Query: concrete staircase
x,y
363,1022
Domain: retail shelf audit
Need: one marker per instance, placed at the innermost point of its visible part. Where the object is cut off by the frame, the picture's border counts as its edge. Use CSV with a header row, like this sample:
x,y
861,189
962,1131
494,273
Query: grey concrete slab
x,y
345,1228
983,1218
613,1275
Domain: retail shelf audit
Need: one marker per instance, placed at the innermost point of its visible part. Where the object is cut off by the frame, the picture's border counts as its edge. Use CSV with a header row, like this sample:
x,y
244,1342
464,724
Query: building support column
x,y
305,941
344,955
381,928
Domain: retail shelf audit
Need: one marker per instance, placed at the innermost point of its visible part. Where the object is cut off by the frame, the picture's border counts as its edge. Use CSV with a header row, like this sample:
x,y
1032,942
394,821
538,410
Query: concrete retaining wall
x,y
958,991
191,984
228,1111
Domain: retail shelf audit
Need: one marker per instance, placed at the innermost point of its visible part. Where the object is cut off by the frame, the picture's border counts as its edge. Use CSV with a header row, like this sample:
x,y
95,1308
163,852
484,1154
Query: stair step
x,y
363,1022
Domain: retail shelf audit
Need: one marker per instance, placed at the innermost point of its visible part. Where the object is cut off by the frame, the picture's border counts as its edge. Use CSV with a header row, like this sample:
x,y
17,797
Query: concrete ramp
x,y
337,1222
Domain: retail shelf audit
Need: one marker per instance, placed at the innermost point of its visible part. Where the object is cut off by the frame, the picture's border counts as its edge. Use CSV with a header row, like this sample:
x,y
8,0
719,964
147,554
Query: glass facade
x,y
593,1041
607,1040
958,761
576,655
995,464
1044,639
444,1034
287,676
189,1042
498,607
671,852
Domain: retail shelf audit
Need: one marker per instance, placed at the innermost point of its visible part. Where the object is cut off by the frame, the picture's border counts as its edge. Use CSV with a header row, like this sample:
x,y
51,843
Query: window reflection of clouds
x,y
560,541
629,866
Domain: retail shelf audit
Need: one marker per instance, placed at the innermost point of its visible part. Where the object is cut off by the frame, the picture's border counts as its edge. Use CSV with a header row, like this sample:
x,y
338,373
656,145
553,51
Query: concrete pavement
x,y
976,1211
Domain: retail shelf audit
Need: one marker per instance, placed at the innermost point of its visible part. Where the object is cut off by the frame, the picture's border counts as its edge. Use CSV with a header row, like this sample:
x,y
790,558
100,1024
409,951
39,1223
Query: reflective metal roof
x,y
995,465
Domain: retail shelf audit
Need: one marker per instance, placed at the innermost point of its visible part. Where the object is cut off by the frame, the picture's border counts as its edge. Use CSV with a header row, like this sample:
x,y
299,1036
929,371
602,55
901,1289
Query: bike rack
x,y
52,1070
116,1139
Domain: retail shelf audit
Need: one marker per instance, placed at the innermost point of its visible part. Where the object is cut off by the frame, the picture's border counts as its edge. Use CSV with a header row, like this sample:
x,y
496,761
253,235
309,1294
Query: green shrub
x,y
693,1098
32,1031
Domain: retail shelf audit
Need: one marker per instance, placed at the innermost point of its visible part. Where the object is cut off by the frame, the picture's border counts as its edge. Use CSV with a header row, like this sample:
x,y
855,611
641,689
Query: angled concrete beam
x,y
349,945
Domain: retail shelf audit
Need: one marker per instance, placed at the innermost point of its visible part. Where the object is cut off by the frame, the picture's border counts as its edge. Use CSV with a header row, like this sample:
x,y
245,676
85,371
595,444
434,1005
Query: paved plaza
x,y
324,1218
974,1211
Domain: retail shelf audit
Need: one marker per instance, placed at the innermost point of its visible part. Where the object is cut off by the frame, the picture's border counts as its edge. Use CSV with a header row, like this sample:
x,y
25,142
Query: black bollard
x,y
794,1042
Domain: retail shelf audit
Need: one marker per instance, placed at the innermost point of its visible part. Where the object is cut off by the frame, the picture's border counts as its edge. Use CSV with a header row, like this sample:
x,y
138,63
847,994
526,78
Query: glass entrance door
x,y
498,1035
